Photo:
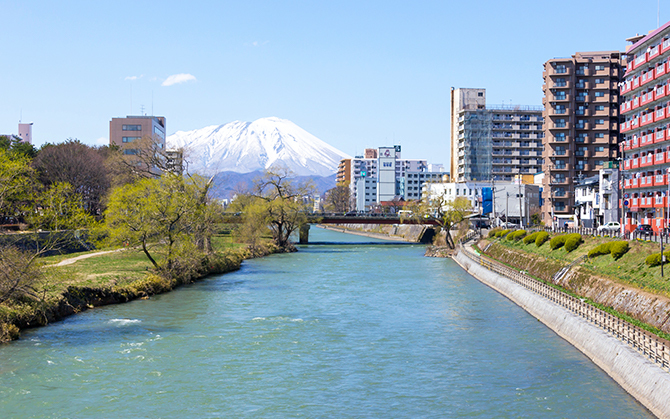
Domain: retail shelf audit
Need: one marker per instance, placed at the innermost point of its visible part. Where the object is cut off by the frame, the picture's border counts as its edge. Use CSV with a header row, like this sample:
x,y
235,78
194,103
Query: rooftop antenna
x,y
152,102
658,15
21,115
141,109
131,97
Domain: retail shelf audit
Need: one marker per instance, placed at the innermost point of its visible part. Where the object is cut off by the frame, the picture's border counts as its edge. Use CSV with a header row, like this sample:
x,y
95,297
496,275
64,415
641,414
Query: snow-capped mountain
x,y
248,146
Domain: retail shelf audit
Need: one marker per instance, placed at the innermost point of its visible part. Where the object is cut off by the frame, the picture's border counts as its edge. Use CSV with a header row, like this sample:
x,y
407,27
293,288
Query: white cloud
x,y
131,78
102,141
257,44
178,78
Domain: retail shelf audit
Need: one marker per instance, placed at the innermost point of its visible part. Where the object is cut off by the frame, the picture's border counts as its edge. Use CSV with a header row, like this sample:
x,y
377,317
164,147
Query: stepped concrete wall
x,y
404,232
644,380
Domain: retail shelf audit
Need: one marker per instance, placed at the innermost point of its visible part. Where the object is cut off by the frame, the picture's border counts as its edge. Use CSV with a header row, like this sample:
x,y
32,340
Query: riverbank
x,y
643,379
79,296
411,233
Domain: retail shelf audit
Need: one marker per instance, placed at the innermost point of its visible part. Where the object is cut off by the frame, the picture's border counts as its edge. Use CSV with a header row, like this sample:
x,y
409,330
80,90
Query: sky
x,y
356,74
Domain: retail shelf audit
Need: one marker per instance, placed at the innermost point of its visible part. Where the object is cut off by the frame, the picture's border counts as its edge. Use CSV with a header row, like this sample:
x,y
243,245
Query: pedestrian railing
x,y
648,344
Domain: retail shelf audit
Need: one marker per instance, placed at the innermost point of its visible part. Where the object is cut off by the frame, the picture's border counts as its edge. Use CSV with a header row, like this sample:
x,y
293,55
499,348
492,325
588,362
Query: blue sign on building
x,y
487,200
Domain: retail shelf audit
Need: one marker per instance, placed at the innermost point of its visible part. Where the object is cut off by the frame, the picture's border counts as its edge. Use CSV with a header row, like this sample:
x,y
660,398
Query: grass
x,y
630,269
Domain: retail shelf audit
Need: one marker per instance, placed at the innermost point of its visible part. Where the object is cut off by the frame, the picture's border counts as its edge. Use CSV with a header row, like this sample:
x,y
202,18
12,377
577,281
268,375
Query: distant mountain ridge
x,y
228,184
245,147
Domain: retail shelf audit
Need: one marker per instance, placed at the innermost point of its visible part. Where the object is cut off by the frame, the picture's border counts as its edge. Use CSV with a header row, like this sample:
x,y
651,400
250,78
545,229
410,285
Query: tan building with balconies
x,y
581,113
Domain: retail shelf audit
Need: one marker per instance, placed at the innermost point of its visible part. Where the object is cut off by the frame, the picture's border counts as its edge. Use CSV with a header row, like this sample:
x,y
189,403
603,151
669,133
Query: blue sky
x,y
356,74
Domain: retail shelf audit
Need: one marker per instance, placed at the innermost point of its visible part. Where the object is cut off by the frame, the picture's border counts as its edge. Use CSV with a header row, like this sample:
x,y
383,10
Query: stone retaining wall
x,y
643,379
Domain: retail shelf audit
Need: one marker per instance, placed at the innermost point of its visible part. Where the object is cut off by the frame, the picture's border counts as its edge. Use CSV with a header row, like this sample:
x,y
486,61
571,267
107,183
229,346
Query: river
x,y
334,330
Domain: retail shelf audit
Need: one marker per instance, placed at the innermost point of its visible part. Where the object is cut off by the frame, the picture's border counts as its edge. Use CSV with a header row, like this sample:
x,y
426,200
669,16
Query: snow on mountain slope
x,y
248,146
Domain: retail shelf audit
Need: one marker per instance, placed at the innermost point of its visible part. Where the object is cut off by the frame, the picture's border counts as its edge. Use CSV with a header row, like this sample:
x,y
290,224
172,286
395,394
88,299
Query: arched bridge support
x,y
304,234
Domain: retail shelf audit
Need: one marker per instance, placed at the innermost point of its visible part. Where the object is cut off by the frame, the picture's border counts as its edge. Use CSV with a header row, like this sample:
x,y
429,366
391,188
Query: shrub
x,y
655,259
601,249
516,235
542,237
618,249
493,232
502,233
557,241
573,241
530,238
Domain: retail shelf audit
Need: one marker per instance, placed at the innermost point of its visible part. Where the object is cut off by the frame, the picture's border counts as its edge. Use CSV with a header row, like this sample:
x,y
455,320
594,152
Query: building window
x,y
560,82
129,139
130,151
560,69
600,121
600,67
600,81
600,149
132,127
600,107
600,94
600,135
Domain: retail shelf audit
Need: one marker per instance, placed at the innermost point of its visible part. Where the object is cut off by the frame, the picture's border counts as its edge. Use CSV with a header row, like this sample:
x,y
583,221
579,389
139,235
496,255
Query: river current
x,y
348,329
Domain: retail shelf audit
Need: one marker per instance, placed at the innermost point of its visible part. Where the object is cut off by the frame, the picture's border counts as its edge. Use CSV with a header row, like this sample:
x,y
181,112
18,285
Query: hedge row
x,y
530,238
616,249
516,235
541,238
570,241
655,259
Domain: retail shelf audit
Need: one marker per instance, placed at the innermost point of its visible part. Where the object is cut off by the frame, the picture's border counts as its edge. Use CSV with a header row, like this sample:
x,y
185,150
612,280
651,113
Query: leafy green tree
x,y
166,217
446,211
17,182
275,203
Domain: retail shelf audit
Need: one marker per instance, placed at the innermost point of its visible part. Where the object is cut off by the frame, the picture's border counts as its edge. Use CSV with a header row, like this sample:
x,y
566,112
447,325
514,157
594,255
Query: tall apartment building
x,y
123,131
493,141
581,110
645,130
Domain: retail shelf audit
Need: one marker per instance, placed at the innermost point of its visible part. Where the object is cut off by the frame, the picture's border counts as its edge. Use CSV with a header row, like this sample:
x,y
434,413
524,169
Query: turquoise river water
x,y
355,330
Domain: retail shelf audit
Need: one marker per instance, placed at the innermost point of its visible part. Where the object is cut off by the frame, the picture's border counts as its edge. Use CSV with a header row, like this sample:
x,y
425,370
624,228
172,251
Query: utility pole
x,y
506,208
520,205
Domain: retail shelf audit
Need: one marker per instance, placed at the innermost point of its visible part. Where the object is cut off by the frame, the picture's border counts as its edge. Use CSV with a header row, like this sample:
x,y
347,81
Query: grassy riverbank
x,y
115,277
630,269
626,287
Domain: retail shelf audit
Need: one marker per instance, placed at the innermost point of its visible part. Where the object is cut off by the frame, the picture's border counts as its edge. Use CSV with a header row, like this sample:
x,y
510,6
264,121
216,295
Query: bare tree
x,y
79,165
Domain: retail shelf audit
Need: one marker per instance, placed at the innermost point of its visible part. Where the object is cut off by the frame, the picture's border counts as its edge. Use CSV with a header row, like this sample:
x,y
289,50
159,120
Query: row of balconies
x,y
650,159
649,55
645,98
645,140
646,181
657,115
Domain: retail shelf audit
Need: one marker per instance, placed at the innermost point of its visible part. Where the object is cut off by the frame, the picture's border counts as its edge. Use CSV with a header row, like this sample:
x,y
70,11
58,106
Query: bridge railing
x,y
653,347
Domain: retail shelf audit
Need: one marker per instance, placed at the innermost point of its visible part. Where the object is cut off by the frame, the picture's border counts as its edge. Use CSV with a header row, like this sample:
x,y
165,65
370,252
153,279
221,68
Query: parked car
x,y
644,230
611,227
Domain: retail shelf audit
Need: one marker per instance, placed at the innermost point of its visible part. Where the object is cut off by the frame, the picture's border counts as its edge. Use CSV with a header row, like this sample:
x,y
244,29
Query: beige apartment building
x,y
123,131
581,112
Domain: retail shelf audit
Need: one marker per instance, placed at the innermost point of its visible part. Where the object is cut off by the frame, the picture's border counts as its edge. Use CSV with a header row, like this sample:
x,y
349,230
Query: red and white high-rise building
x,y
645,131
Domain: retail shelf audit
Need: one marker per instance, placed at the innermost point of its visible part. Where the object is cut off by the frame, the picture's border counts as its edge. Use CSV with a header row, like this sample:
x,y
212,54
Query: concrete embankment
x,y
401,232
644,380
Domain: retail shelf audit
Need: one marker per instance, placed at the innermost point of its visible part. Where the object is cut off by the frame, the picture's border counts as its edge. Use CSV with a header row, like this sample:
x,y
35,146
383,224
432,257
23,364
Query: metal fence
x,y
648,344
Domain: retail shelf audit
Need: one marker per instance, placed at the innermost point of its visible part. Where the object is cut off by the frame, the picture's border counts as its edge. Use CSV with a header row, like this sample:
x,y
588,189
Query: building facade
x,y
123,131
512,201
382,175
581,110
645,130
493,141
